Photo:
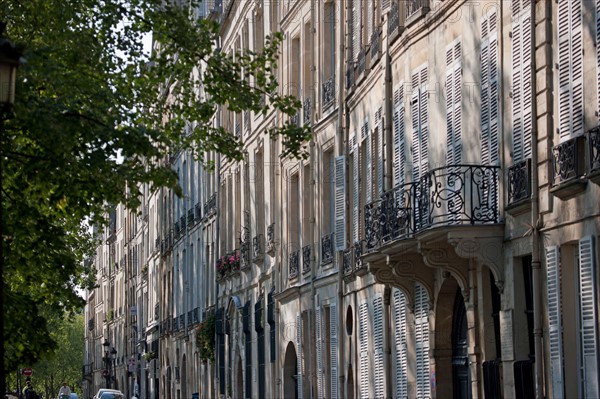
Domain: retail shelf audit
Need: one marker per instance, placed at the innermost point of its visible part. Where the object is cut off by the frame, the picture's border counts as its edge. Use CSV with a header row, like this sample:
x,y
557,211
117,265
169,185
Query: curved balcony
x,y
455,195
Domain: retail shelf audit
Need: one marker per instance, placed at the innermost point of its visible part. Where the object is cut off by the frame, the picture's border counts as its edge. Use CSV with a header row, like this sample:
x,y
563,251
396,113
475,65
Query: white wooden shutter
x,y
400,348
370,12
385,6
340,203
379,157
366,136
333,353
319,333
424,122
399,137
355,190
378,347
422,340
299,356
554,320
356,27
453,104
521,91
363,343
588,317
570,69
489,90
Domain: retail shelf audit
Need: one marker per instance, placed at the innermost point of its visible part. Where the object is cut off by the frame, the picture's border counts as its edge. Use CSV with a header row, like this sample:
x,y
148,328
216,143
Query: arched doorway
x,y
290,370
461,379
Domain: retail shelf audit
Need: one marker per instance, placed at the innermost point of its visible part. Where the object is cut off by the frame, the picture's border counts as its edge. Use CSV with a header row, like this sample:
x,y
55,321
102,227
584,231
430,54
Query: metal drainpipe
x,y
217,248
342,124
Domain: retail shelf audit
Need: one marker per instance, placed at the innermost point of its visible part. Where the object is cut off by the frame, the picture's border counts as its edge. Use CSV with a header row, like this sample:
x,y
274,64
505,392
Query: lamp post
x,y
106,358
9,61
113,354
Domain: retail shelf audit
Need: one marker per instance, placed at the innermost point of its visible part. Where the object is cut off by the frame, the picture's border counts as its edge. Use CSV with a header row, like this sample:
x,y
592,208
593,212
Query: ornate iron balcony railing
x,y
327,249
257,247
375,44
328,91
567,160
210,206
189,318
293,263
394,19
361,61
350,75
390,217
306,252
190,217
156,311
519,181
182,224
295,119
347,261
271,238
412,6
594,149
198,212
358,253
307,111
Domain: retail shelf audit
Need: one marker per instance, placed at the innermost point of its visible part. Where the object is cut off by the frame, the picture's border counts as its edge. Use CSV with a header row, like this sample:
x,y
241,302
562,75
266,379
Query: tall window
x,y
328,188
294,232
328,40
259,201
295,69
306,202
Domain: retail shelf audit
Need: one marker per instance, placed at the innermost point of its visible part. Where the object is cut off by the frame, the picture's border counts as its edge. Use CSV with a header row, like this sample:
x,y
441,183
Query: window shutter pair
x,y
489,90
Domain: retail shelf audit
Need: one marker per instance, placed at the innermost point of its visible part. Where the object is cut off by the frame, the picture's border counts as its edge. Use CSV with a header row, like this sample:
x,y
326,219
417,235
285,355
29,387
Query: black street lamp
x,y
106,359
9,61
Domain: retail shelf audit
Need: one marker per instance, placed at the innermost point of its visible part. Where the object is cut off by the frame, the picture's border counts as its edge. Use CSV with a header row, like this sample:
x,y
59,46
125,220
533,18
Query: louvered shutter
x,y
356,26
333,353
370,12
355,189
453,104
400,348
319,332
588,317
521,91
340,203
363,342
378,347
380,157
489,91
570,69
554,320
385,6
366,136
424,122
399,137
422,340
299,356
415,117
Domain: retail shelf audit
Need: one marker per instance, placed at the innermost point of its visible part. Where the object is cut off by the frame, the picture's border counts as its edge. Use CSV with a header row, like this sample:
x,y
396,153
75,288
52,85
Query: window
x,y
328,38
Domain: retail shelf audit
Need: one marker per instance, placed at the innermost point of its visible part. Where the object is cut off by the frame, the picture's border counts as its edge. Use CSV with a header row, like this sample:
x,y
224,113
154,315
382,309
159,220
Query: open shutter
x,y
424,122
319,332
416,132
588,317
355,189
333,353
356,25
422,340
521,90
378,345
570,69
489,90
453,104
340,203
380,157
400,348
399,137
554,320
366,136
299,356
363,342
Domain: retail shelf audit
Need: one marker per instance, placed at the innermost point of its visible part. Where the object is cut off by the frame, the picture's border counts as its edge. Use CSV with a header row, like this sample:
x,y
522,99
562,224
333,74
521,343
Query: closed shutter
x,y
453,104
363,342
422,340
370,12
385,6
355,189
399,137
554,320
356,26
400,348
380,157
319,332
299,356
424,122
570,69
416,132
340,203
521,90
333,353
378,348
367,142
489,91
588,317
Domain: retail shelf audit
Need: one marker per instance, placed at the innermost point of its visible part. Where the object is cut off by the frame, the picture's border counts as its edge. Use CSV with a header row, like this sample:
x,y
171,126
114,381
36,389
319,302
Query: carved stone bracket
x,y
443,257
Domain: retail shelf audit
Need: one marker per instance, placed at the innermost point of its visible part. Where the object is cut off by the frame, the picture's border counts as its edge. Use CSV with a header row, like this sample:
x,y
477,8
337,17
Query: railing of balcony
x,y
307,111
196,315
412,6
295,119
306,253
328,88
327,249
519,181
375,44
190,218
182,224
271,237
175,324
190,317
293,264
210,206
361,61
156,311
594,149
182,321
460,194
567,162
198,212
257,247
394,18
358,253
350,75
347,261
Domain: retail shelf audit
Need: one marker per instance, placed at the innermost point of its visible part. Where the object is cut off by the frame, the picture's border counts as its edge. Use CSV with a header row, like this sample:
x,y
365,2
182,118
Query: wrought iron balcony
x,y
87,371
182,321
390,217
519,181
568,157
293,263
245,254
182,224
413,6
394,19
350,76
175,324
198,212
271,238
328,89
307,111
361,61
156,311
375,45
295,119
327,249
306,252
190,217
594,149
196,316
210,206
177,230
257,247
347,261
190,315
358,253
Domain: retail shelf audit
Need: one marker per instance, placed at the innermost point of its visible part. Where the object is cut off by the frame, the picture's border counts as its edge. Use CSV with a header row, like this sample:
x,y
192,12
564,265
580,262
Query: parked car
x,y
112,395
103,390
73,395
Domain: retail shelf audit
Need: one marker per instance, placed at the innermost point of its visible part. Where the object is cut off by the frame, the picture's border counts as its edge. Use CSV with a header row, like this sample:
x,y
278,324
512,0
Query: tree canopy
x,y
94,118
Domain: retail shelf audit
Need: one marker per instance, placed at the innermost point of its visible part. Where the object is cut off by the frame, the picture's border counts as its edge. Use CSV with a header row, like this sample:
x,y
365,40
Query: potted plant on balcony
x,y
205,338
227,264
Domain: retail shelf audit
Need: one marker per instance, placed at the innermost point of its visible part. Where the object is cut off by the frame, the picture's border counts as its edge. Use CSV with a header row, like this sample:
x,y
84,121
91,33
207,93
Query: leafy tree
x,y
95,117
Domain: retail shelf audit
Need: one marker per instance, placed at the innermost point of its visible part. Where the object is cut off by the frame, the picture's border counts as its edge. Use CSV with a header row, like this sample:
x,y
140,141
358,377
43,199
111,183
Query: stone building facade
x,y
440,240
